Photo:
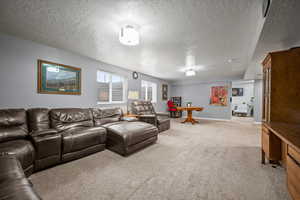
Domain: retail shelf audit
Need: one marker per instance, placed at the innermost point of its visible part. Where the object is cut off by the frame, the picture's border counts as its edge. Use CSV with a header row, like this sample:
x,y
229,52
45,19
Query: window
x,y
111,88
149,91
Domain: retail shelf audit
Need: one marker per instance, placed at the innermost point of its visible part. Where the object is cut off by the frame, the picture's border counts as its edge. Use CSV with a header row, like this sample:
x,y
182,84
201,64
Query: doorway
x,y
242,105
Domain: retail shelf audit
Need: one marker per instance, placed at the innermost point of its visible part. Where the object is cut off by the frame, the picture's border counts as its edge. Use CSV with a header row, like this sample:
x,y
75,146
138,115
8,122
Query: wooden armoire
x,y
281,114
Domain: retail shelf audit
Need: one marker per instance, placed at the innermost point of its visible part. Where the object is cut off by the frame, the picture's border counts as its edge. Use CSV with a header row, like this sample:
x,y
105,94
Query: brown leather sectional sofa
x,y
38,138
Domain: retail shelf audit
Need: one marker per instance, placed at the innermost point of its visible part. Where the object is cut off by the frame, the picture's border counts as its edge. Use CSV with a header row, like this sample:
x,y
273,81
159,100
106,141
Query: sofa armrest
x,y
43,132
151,119
147,116
46,142
162,114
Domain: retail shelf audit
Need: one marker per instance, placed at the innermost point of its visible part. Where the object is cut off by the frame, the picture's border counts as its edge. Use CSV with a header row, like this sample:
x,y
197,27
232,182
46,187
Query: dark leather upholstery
x,y
106,115
142,108
146,113
163,123
63,119
41,138
127,137
14,135
23,150
13,183
13,124
75,139
79,137
38,119
47,144
47,141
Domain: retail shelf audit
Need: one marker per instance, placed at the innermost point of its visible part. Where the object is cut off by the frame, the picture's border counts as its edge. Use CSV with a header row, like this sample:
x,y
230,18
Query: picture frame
x,y
54,78
164,92
219,96
237,92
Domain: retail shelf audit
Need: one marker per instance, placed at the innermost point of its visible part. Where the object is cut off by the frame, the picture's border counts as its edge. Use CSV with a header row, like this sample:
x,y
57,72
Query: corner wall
x,y
18,76
258,87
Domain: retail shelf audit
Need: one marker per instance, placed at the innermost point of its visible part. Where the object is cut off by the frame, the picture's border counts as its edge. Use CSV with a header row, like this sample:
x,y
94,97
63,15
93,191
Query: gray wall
x,y
18,76
258,100
199,95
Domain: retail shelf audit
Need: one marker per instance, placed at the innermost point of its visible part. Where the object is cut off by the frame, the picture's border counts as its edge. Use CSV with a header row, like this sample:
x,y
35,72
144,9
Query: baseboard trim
x,y
257,123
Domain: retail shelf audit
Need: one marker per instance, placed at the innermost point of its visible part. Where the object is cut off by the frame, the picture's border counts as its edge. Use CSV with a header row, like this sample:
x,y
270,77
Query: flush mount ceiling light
x,y
129,36
190,72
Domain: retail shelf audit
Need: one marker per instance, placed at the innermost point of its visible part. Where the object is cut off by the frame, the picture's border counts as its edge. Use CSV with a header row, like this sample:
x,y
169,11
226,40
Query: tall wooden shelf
x,y
282,86
177,102
281,114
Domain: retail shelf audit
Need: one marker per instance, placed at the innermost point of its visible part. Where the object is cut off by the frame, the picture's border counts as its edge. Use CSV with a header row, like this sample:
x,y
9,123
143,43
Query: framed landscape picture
x,y
164,92
54,78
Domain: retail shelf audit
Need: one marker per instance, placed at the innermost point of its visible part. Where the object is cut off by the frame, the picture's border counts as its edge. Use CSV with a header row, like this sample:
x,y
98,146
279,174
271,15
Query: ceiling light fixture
x,y
190,72
129,36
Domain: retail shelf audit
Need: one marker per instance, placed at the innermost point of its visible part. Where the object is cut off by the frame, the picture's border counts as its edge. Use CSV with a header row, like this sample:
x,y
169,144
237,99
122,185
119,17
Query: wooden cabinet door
x,y
264,118
268,117
266,94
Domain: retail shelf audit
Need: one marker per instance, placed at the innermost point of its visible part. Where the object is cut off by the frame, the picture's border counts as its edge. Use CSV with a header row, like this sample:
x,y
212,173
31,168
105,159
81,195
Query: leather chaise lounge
x,y
39,138
124,137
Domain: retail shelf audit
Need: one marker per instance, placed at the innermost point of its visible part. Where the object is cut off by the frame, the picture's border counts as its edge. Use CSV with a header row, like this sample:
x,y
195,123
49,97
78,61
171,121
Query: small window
x,y
111,88
149,91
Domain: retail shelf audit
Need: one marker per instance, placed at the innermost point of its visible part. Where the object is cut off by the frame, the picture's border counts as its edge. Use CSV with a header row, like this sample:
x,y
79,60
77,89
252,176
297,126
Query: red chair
x,y
171,108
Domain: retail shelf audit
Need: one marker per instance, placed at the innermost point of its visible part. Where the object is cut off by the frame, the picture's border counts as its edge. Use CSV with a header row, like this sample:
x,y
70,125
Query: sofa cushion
x,y
22,149
142,108
130,133
38,119
106,115
78,138
13,124
63,119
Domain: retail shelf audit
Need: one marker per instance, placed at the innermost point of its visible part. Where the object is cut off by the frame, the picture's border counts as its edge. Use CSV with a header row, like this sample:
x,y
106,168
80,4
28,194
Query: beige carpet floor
x,y
213,160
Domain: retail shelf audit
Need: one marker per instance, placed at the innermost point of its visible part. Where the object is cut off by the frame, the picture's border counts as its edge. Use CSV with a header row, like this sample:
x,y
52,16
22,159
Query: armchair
x,y
146,113
171,108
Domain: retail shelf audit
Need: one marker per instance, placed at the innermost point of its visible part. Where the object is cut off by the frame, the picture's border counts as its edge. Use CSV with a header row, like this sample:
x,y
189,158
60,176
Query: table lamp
x,y
132,95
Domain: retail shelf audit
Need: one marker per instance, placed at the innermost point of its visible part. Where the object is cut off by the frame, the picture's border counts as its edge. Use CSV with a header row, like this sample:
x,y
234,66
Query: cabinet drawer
x,y
294,154
293,177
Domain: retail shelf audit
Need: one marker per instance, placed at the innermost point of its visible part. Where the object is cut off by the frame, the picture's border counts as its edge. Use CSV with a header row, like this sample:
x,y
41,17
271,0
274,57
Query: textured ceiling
x,y
280,32
211,30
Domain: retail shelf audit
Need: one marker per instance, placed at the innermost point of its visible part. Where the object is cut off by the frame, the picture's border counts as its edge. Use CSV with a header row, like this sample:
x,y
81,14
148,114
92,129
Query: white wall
x,y
258,89
18,76
199,95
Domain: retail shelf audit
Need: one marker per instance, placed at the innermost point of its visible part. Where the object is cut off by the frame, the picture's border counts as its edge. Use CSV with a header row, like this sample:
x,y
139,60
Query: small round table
x,y
190,113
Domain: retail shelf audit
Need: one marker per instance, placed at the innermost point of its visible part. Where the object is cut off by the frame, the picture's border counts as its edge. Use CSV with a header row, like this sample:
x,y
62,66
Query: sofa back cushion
x,y
142,108
66,118
106,115
13,124
38,119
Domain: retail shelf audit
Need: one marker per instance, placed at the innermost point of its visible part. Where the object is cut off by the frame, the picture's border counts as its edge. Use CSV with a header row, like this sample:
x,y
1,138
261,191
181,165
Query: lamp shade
x,y
133,95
